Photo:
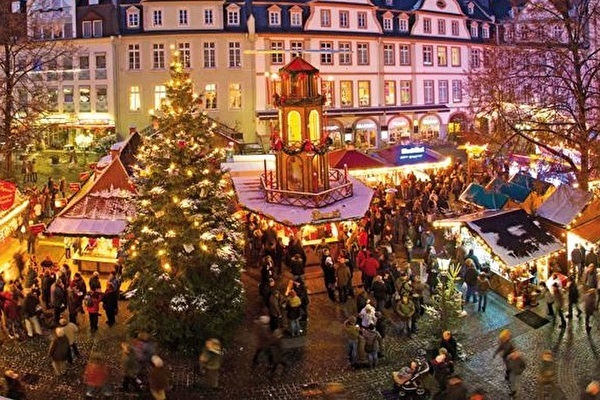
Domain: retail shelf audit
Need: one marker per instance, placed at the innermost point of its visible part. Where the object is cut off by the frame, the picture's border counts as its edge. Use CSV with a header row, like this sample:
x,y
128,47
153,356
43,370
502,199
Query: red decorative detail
x,y
7,194
307,145
276,142
93,165
37,228
181,144
84,176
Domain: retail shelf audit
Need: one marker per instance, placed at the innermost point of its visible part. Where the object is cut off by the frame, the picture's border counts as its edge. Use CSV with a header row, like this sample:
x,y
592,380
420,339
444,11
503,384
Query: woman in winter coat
x,y
59,352
92,304
110,302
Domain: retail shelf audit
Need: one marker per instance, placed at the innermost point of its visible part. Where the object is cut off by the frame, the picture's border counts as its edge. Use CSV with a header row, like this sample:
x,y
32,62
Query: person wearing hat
x,y
328,274
70,330
211,360
158,378
59,352
294,312
14,388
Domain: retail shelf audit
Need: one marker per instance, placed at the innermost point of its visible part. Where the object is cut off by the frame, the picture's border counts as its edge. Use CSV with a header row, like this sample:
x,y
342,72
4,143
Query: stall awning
x,y
563,206
86,227
477,195
354,160
535,185
515,237
589,232
516,192
251,197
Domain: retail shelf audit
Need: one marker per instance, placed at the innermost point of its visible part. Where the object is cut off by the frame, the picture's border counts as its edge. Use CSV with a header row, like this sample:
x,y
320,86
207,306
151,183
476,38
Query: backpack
x,y
370,343
87,300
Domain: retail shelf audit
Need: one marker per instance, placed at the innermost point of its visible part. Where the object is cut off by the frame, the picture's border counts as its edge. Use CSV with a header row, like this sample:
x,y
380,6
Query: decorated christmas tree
x,y
184,247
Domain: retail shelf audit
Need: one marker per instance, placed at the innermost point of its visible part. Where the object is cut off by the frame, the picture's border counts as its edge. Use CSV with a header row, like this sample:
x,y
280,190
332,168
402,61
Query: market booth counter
x,y
511,244
96,254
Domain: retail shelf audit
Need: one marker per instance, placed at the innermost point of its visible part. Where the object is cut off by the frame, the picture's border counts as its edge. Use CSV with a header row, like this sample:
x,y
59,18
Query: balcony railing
x,y
341,189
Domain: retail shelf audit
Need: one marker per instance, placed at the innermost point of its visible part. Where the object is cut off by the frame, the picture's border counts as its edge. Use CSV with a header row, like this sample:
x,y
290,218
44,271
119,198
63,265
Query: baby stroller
x,y
408,381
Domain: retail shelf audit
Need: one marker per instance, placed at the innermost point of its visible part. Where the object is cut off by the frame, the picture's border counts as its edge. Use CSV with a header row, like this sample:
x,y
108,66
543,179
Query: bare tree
x,y
540,85
28,51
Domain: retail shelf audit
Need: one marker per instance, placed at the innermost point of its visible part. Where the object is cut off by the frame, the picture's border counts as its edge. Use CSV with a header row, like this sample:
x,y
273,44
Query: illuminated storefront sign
x,y
411,153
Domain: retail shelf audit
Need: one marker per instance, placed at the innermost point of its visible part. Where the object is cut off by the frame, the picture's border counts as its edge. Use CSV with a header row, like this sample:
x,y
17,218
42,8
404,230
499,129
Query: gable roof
x,y
353,159
298,64
564,205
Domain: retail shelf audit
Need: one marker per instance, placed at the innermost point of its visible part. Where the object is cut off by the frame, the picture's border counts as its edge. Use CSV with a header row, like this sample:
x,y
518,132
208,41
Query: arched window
x,y
294,122
314,126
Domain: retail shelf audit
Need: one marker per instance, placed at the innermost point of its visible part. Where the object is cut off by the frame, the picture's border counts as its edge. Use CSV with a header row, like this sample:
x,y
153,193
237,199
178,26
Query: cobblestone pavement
x,y
319,357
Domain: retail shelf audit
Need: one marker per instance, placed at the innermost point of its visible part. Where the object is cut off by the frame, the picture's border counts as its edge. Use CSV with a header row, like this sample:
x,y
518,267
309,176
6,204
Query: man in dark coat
x,y
471,275
578,260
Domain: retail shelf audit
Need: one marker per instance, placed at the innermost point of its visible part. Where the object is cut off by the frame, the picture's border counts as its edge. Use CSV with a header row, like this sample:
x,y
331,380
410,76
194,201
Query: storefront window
x,y
399,130
160,94
235,96
390,93
430,127
334,129
134,98
346,94
366,134
101,99
68,99
210,95
327,91
364,93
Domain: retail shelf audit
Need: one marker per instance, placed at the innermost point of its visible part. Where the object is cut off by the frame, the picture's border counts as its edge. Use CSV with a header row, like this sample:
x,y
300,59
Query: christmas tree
x,y
184,247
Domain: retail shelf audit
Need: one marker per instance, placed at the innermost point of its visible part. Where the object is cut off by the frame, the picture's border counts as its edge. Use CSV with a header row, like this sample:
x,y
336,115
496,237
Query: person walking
x,y
573,298
589,307
373,344
592,391
559,303
58,299
483,287
211,360
96,377
31,310
549,299
110,301
92,304
515,366
71,332
505,347
158,378
59,352
130,367
352,332
344,279
471,280
547,376
13,385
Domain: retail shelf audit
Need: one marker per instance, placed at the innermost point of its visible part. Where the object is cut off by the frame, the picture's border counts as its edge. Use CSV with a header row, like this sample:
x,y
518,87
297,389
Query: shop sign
x,y
7,195
411,153
74,187
37,228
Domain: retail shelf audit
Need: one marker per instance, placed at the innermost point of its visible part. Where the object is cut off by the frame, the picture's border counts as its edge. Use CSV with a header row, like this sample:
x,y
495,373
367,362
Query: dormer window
x,y
388,22
485,31
183,18
233,15
91,28
133,17
274,16
471,8
157,18
403,21
296,17
474,30
209,17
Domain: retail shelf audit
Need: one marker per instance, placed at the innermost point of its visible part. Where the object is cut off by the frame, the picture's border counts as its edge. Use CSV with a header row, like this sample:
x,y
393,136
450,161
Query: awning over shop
x,y
252,198
478,195
535,185
400,156
354,160
515,237
564,205
86,227
589,232
515,192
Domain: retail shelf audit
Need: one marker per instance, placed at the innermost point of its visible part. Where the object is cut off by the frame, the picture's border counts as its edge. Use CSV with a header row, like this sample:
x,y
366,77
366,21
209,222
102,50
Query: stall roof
x,y
477,195
400,156
516,192
515,237
535,185
589,231
252,198
563,206
101,208
354,159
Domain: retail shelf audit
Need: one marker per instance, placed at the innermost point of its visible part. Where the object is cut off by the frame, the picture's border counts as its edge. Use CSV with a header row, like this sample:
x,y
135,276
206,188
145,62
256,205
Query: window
x,y
274,18
296,18
86,29
361,20
85,104
474,30
475,58
326,56
428,91
404,54
134,98
456,91
235,96
557,32
277,52
133,18
442,56
443,92
405,92
364,93
427,55
362,53
325,18
403,24
210,57
389,58
68,99
158,56
160,94
388,24
100,65
209,17
101,99
52,70
471,8
455,28
53,99
345,53
427,25
210,95
157,18
455,56
346,95
328,92
133,57
67,67
441,26
344,19
84,68
97,28
185,51
389,91
235,55
183,17
297,47
233,17
485,32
